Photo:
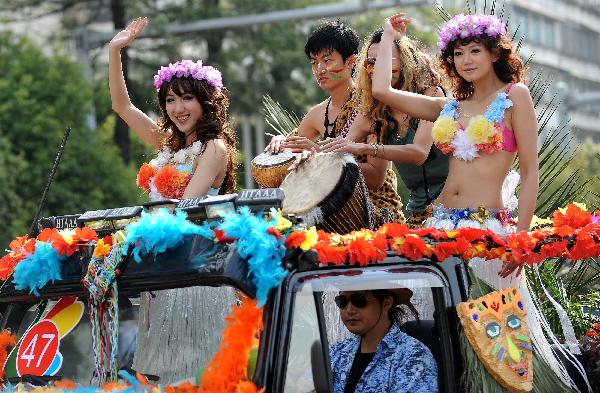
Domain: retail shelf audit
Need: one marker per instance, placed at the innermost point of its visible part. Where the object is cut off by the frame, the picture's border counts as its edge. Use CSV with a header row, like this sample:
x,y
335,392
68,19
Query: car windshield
x,y
316,294
167,335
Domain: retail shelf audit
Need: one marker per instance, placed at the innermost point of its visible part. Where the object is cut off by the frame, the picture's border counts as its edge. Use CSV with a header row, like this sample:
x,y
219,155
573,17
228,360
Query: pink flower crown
x,y
465,26
185,68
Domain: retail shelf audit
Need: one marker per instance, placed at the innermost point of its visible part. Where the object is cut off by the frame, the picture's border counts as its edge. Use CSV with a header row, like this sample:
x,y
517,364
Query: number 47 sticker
x,y
38,352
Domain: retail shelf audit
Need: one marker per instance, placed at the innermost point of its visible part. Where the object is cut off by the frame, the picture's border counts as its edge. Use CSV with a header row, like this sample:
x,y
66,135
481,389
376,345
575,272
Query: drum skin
x,y
328,191
269,170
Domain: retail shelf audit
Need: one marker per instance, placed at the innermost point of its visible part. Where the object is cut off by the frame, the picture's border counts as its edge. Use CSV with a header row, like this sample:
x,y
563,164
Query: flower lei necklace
x,y
167,175
484,132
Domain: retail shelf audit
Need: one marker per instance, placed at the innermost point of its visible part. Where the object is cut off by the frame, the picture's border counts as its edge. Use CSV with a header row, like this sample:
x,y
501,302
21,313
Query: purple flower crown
x,y
185,68
464,26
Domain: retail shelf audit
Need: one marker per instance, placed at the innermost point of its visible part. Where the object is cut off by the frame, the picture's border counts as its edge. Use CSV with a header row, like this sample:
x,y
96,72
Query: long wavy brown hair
x,y
418,72
509,67
214,123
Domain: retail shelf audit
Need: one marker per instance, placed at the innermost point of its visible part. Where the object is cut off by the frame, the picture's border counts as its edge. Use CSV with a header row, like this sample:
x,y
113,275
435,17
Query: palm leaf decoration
x,y
279,119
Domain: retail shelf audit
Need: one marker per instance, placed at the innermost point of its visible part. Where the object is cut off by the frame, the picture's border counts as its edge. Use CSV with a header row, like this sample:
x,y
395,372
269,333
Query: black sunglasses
x,y
358,300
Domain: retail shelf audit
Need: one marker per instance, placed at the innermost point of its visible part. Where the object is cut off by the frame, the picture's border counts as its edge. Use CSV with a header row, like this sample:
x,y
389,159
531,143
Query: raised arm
x,y
137,120
524,125
414,153
413,104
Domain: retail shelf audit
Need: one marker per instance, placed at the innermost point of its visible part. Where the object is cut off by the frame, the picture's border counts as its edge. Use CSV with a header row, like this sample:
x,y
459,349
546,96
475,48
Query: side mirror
x,y
320,365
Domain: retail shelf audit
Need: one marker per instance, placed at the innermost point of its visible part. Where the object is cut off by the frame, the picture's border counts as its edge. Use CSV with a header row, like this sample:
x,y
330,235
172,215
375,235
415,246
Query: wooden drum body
x,y
328,191
269,170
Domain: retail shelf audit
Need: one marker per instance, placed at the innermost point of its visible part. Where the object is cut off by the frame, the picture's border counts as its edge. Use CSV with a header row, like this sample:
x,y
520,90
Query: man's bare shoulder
x,y
315,115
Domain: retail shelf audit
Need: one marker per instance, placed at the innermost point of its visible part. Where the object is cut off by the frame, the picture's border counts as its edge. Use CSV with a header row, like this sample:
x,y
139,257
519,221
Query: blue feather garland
x,y
37,269
263,251
160,231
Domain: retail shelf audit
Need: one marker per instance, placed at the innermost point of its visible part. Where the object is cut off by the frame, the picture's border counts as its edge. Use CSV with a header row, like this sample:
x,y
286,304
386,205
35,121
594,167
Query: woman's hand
x,y
300,158
130,33
297,144
396,25
341,145
274,146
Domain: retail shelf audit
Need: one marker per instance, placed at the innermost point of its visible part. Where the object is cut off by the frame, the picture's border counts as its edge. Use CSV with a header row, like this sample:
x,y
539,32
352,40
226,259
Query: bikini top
x,y
168,175
485,133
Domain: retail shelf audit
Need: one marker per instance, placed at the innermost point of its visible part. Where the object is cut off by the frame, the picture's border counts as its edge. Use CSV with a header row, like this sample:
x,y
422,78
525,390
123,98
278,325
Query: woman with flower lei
x,y
197,155
176,332
489,122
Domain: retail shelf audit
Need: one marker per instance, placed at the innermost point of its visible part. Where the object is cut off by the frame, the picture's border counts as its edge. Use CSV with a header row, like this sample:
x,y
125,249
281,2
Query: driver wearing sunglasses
x,y
380,357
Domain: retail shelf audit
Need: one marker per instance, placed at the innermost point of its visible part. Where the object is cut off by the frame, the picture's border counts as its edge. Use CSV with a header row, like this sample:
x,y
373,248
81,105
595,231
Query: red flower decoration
x,y
46,234
413,248
573,216
62,246
171,183
274,232
445,250
85,235
144,175
221,238
294,239
7,265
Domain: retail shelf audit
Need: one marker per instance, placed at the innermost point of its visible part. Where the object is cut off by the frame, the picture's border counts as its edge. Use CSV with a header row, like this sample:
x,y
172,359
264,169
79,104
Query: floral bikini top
x,y
485,133
167,175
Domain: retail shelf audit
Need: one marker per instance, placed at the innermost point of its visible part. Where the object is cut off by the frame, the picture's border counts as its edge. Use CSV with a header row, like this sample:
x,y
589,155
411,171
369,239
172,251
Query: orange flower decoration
x,y
573,216
7,342
63,244
46,234
445,250
170,182
85,235
144,175
7,265
22,245
295,238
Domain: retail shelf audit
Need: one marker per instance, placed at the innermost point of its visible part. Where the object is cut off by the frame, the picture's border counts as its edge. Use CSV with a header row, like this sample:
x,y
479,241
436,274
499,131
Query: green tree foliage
x,y
40,96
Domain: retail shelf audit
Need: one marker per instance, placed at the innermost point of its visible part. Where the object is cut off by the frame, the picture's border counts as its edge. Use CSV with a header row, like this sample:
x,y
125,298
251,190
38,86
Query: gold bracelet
x,y
376,148
382,150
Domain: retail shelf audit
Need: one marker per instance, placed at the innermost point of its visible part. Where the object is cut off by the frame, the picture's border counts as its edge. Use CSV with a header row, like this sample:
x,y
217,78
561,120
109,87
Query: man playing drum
x,y
332,49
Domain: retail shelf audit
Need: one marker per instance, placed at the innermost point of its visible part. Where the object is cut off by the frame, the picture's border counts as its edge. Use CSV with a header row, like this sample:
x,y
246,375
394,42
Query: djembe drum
x,y
328,191
269,170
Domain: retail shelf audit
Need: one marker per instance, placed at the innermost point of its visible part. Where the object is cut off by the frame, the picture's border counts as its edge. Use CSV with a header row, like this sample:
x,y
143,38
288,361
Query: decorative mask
x,y
496,327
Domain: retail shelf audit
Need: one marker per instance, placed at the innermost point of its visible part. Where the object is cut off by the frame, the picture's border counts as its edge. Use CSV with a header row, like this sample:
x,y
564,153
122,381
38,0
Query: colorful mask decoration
x,y
496,327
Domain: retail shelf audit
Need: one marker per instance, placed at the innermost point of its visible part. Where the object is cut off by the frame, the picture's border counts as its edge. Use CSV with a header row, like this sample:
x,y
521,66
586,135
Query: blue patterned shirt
x,y
401,364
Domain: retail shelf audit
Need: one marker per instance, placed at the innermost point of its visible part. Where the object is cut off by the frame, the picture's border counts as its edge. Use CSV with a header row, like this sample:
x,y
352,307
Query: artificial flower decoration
x,y
144,176
310,239
170,182
483,133
365,246
444,129
465,26
480,130
7,342
280,222
102,247
188,68
575,215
